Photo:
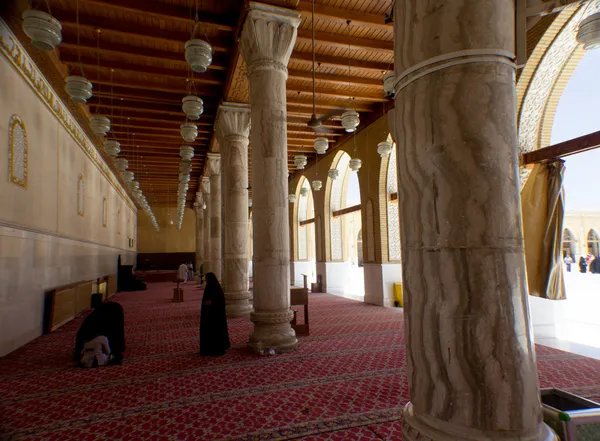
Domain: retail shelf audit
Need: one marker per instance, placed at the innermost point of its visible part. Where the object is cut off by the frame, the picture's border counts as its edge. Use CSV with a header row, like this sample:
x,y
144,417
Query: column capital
x,y
268,37
233,119
205,185
214,163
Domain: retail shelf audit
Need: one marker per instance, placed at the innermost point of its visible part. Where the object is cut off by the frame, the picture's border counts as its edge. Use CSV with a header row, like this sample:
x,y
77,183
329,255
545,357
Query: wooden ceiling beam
x,y
342,41
147,86
169,12
343,80
338,15
337,93
342,63
156,134
216,77
131,30
219,62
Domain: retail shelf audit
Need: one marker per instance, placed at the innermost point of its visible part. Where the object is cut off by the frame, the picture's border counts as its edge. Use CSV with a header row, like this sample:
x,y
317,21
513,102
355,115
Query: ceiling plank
x,y
343,41
130,29
342,15
341,62
329,91
334,79
219,62
90,63
171,12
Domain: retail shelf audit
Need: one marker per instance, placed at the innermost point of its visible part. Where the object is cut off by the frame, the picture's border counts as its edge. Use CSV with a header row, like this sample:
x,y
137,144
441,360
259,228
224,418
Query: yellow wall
x,y
168,239
44,242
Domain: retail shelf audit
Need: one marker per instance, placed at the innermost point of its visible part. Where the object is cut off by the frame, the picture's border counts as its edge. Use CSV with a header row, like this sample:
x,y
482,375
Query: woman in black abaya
x,y
214,335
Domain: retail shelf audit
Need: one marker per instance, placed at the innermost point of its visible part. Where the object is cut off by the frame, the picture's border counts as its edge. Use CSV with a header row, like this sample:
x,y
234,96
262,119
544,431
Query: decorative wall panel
x,y
17,151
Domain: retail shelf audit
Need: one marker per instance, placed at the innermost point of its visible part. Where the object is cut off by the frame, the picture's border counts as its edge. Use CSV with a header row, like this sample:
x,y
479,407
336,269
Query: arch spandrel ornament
x,y
542,73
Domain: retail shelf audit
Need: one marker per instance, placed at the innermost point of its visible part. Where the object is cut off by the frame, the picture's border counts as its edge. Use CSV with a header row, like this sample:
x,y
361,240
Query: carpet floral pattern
x,y
347,381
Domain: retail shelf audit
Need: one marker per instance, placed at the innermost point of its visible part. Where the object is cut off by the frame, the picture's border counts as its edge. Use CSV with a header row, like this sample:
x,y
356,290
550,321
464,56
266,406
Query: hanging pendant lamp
x,y
78,88
198,54
321,145
316,185
589,32
388,84
300,162
100,125
112,147
189,132
384,148
350,120
292,198
192,106
304,191
355,164
186,152
333,173
44,30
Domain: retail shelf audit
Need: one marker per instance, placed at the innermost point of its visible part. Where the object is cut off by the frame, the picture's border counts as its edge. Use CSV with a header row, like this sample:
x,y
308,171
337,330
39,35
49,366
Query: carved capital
x,y
214,163
205,185
268,37
233,120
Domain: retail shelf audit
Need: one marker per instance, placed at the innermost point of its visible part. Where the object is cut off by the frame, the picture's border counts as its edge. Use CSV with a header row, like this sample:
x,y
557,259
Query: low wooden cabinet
x,y
299,297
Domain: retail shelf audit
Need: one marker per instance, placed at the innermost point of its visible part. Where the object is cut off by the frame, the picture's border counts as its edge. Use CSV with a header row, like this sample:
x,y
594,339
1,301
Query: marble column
x,y
199,208
266,43
470,358
232,128
214,167
205,185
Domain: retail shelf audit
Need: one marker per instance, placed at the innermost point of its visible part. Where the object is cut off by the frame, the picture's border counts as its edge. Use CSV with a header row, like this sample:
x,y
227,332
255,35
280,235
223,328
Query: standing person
x,y
214,335
190,274
182,272
595,265
582,265
568,262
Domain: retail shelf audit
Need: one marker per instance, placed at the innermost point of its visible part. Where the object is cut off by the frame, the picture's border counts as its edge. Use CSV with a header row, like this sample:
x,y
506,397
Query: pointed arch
x,y
593,243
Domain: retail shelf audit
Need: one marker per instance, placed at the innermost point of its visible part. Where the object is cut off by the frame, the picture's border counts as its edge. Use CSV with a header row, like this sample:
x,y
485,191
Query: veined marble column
x,y
214,167
232,129
206,264
470,357
267,40
199,208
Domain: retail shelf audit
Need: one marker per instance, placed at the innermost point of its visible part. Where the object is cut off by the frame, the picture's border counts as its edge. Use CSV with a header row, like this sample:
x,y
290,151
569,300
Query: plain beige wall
x,y
168,239
44,242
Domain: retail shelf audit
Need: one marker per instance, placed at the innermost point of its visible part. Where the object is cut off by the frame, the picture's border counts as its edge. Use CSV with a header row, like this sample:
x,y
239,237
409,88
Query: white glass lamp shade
x,y
384,148
388,84
304,191
121,164
198,54
350,120
192,106
300,161
44,30
249,203
112,147
128,176
186,152
135,184
333,173
78,88
321,145
355,164
292,198
185,167
189,132
589,32
316,185
100,125
184,178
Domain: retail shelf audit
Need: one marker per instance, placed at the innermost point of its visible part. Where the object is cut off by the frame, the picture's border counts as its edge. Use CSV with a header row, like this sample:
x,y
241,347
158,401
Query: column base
x,y
272,330
415,428
238,304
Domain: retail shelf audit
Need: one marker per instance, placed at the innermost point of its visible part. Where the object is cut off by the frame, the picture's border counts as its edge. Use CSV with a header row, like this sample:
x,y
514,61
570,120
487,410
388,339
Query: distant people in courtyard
x,y
568,262
582,265
190,274
214,335
182,272
101,337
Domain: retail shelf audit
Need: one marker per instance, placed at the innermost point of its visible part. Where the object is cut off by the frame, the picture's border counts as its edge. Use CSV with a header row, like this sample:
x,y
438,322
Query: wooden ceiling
x,y
133,52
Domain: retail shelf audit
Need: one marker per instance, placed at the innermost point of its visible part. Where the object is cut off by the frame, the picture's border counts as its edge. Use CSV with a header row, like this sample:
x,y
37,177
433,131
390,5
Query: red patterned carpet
x,y
346,382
